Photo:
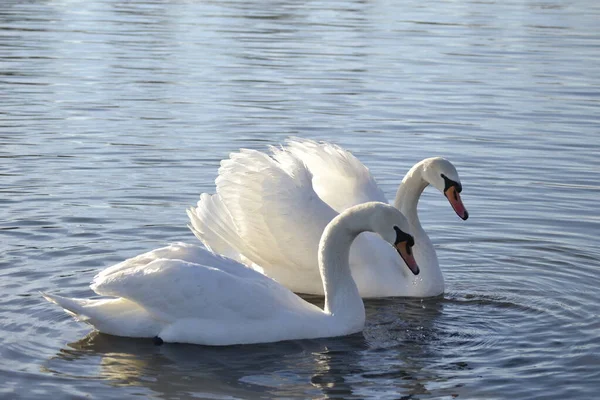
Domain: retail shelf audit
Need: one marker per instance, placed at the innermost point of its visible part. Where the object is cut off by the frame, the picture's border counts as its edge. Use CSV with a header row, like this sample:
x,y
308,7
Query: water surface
x,y
114,117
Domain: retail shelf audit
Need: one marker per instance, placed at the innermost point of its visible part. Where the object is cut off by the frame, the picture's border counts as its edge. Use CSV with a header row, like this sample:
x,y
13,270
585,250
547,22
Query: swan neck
x,y
341,293
409,192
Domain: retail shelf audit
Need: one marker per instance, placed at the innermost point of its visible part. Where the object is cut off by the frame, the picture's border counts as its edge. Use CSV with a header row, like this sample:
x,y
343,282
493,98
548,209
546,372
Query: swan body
x,y
187,294
249,219
342,181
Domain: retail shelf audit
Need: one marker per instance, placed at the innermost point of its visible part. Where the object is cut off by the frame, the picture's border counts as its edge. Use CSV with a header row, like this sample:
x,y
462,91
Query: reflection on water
x,y
181,369
114,117
393,356
398,354
287,368
350,367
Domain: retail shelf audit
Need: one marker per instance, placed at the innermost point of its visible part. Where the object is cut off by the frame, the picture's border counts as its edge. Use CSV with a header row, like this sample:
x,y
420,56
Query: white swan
x,y
186,294
342,181
247,220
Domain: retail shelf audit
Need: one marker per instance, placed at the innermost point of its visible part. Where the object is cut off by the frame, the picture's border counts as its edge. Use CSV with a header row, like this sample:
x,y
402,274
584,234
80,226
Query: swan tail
x,y
116,316
74,307
212,224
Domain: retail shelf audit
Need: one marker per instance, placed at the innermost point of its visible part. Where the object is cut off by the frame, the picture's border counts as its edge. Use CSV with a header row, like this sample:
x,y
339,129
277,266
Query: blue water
x,y
114,117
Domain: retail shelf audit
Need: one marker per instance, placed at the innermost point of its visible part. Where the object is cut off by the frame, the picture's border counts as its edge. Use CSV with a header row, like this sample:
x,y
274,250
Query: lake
x,y
114,117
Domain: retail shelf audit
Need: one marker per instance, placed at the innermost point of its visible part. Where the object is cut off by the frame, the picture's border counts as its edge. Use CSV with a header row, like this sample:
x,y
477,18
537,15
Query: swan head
x,y
394,228
441,174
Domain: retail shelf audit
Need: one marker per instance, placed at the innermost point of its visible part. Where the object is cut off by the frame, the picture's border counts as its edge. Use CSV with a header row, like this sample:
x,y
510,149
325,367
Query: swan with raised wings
x,y
186,294
247,219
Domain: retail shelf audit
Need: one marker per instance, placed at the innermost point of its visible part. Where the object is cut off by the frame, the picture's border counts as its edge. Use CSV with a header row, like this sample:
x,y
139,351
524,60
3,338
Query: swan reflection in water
x,y
388,357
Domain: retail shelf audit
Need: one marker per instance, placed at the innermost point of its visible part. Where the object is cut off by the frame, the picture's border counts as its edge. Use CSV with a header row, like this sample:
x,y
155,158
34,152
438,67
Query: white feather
x,y
279,206
185,293
339,178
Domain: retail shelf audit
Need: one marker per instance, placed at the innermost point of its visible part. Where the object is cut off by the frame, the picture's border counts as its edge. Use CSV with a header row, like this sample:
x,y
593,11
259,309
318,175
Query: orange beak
x,y
405,252
455,201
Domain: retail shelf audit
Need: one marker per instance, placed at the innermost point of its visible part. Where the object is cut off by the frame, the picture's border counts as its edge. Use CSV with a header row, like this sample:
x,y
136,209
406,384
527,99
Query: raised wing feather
x,y
211,222
338,177
277,213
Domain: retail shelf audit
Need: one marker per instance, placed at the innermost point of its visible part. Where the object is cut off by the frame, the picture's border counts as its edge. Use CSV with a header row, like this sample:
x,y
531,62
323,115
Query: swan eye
x,y
448,183
403,237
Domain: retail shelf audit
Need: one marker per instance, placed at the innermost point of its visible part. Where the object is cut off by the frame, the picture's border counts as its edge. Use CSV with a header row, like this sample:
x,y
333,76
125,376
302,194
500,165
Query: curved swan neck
x,y
409,192
341,293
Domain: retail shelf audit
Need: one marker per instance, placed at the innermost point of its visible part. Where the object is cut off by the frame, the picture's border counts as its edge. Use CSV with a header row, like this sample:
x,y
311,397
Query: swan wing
x,y
174,251
338,177
212,224
213,288
278,216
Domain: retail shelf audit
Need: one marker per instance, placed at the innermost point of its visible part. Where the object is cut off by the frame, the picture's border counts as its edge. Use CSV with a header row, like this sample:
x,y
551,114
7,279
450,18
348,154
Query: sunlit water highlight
x,y
113,119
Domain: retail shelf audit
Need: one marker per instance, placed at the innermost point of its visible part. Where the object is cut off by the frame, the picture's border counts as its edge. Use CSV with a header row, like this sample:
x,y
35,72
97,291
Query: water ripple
x,y
115,116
